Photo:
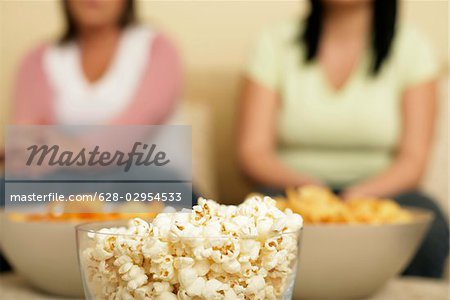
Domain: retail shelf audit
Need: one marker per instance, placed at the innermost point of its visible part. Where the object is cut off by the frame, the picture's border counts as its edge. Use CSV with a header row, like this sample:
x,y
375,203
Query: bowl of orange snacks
x,y
41,247
350,249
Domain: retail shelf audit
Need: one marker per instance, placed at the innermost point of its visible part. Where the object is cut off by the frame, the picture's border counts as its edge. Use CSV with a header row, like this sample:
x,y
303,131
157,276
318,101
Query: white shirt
x,y
78,101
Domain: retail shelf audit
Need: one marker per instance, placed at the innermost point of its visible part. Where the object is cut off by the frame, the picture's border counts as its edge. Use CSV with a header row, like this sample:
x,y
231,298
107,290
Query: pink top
x,y
154,100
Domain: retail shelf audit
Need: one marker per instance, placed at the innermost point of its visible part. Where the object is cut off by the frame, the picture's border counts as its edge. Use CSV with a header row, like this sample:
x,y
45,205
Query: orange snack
x,y
318,205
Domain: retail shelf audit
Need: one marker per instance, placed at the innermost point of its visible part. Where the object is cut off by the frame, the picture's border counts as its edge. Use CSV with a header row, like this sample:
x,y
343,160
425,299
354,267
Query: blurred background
x,y
214,39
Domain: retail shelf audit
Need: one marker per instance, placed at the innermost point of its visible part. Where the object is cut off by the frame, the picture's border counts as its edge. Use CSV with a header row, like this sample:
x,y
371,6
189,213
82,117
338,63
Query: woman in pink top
x,y
105,69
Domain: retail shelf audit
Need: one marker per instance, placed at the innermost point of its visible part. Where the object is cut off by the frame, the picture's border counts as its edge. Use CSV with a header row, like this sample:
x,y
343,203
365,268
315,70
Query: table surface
x,y
13,287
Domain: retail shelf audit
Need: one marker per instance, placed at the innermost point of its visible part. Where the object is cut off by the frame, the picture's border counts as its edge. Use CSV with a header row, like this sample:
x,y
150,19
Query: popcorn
x,y
139,226
213,289
231,266
255,285
100,253
210,252
135,277
202,267
154,248
161,287
187,277
167,296
181,263
250,249
196,287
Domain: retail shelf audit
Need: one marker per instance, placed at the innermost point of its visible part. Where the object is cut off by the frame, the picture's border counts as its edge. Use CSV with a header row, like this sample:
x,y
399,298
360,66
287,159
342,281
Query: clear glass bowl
x,y
267,266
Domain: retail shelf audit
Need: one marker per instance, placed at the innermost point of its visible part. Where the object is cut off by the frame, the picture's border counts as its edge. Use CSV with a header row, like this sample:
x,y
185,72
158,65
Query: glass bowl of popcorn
x,y
213,251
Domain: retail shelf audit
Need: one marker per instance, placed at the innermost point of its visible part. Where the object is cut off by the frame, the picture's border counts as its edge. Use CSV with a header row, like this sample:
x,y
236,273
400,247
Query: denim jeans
x,y
431,257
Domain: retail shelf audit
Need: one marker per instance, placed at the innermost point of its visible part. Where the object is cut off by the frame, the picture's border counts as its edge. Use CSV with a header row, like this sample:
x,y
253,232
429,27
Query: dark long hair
x,y
383,30
128,17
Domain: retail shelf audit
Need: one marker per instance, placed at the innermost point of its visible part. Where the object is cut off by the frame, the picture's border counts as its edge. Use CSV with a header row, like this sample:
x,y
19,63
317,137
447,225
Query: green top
x,y
346,135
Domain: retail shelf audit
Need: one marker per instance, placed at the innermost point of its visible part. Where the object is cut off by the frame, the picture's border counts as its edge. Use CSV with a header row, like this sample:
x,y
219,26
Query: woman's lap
x,y
431,257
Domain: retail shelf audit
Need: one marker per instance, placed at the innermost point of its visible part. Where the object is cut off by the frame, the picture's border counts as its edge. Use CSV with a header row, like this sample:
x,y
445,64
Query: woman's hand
x,y
257,140
358,192
405,172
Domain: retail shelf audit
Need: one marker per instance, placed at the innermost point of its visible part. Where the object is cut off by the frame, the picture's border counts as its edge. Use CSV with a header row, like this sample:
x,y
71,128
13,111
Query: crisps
x,y
79,211
318,205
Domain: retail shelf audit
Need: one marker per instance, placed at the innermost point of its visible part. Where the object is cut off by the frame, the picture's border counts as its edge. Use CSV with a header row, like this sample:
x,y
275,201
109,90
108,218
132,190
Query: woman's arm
x,y
257,139
32,95
419,111
159,92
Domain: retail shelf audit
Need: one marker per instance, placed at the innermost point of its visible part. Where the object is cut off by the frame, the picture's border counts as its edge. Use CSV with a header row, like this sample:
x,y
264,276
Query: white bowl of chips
x,y
351,261
41,247
44,253
351,249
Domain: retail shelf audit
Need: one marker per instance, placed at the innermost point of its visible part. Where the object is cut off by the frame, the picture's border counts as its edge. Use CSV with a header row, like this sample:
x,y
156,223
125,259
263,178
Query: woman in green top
x,y
346,99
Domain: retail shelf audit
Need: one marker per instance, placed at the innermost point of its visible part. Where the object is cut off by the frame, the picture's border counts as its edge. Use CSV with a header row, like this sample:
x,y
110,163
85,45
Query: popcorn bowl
x,y
353,261
119,262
